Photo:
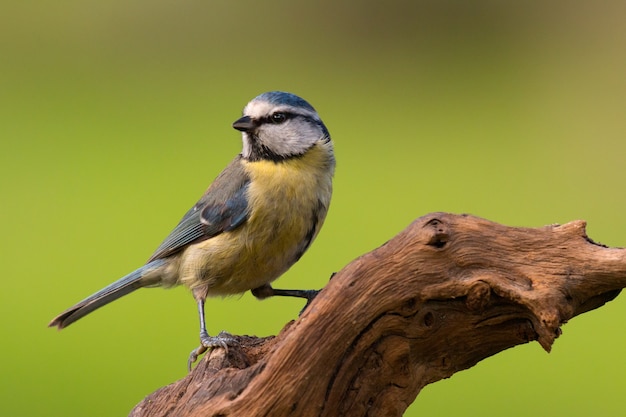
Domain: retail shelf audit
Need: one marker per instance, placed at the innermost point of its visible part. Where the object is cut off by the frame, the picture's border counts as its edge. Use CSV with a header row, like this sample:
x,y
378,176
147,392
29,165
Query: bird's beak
x,y
244,124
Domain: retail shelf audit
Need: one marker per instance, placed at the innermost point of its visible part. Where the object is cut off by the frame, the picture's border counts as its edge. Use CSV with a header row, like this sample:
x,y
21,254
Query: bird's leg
x,y
266,291
223,339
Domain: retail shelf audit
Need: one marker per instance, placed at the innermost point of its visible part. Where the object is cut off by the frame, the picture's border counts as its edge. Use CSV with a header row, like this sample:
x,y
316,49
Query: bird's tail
x,y
112,292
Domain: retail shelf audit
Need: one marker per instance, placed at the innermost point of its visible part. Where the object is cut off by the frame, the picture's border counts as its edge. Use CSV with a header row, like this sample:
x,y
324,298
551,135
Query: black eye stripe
x,y
274,118
305,117
287,116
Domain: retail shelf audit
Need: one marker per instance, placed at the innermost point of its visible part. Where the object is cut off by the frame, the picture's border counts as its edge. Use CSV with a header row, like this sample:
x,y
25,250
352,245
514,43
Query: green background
x,y
115,116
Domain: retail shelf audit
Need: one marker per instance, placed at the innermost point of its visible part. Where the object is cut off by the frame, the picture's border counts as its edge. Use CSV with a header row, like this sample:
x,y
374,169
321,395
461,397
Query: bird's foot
x,y
267,290
222,340
308,295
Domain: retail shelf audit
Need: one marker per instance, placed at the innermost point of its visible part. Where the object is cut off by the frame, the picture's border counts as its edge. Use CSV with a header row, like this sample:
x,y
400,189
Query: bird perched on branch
x,y
252,224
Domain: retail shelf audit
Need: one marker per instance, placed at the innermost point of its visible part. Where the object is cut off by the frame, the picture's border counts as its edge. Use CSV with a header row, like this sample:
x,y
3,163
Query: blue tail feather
x,y
119,288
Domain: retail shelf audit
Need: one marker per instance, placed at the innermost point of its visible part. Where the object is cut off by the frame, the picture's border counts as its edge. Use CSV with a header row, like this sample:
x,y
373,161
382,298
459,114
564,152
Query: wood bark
x,y
445,293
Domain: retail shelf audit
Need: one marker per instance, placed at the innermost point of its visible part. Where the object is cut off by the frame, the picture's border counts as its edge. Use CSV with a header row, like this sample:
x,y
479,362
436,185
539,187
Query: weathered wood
x,y
445,293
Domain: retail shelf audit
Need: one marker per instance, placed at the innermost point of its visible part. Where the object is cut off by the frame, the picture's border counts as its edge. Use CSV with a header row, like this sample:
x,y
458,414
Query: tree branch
x,y
445,293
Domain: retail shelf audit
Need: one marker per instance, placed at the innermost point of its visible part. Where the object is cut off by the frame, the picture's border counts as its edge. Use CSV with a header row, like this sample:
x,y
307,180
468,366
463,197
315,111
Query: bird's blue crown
x,y
282,98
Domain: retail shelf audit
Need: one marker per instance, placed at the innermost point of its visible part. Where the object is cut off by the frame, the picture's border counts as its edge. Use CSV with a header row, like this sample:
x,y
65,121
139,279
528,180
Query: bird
x,y
255,220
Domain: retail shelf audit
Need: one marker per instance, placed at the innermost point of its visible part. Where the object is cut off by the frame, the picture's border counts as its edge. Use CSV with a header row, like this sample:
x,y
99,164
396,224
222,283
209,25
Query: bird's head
x,y
277,126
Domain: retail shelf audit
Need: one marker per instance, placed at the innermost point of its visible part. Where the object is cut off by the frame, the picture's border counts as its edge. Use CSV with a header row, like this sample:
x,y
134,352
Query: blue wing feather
x,y
223,207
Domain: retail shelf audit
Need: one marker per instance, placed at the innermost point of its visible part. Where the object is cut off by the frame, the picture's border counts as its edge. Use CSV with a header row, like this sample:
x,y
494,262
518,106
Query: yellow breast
x,y
287,203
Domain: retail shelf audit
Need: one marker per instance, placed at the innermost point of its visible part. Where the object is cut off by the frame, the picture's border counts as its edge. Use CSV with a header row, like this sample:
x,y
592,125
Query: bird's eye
x,y
278,118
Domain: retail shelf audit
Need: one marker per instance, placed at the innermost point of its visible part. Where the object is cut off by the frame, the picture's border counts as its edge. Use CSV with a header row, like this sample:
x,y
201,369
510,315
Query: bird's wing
x,y
223,207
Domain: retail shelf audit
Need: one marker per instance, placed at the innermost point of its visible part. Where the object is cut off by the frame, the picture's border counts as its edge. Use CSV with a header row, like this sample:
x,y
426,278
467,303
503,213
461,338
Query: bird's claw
x,y
193,356
309,296
222,340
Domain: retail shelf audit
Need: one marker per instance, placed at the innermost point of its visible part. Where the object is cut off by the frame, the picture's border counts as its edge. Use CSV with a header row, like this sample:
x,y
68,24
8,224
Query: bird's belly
x,y
254,254
240,260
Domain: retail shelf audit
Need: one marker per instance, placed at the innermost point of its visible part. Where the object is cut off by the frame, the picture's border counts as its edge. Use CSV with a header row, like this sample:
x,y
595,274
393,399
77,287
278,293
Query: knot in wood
x,y
438,231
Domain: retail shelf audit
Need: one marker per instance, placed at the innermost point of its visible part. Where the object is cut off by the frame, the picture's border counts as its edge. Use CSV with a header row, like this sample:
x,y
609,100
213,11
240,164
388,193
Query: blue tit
x,y
252,224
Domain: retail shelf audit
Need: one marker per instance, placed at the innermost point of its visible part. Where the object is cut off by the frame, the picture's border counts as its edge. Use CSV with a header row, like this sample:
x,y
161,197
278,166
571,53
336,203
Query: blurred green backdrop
x,y
116,115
